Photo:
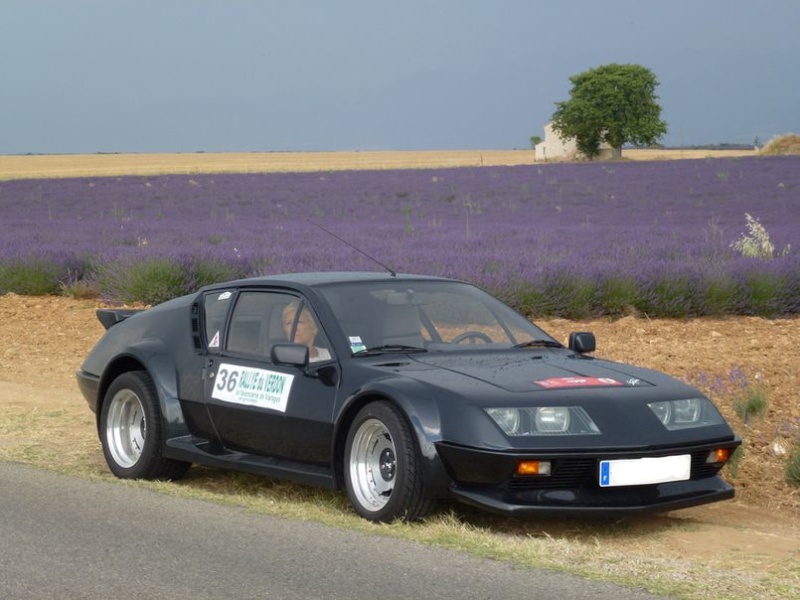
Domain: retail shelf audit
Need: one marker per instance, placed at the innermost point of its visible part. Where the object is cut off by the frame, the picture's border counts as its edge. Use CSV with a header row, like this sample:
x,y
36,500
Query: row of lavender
x,y
565,239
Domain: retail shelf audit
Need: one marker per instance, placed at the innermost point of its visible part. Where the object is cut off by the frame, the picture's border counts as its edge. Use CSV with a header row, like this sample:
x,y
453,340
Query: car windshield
x,y
414,316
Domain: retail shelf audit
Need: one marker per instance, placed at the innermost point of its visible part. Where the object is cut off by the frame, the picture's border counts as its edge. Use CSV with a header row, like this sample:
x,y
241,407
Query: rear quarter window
x,y
215,310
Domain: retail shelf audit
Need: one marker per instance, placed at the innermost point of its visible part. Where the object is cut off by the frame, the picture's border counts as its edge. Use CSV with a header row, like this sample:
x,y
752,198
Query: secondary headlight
x,y
686,413
552,419
543,420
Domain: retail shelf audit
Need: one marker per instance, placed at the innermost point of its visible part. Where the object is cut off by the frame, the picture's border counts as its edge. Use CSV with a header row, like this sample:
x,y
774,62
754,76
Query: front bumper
x,y
488,480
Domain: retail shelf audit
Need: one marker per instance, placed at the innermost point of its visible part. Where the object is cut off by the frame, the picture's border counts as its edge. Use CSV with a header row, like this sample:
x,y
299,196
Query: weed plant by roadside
x,y
793,466
736,388
745,394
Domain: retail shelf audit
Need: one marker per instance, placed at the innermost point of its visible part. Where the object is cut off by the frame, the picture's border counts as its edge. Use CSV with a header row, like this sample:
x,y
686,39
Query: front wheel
x,y
383,471
130,430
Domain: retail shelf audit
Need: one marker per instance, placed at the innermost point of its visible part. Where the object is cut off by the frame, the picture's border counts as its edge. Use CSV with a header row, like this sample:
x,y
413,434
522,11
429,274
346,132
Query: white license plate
x,y
644,471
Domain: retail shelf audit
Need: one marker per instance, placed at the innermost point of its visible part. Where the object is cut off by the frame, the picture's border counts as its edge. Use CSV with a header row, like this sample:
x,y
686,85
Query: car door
x,y
263,408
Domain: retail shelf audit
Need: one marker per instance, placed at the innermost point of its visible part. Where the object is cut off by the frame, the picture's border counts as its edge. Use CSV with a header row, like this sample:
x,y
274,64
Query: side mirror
x,y
295,355
582,342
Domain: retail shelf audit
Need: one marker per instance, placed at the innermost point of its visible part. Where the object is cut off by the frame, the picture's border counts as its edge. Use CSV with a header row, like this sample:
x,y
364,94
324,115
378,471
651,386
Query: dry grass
x,y
620,551
784,144
87,165
116,165
727,550
682,153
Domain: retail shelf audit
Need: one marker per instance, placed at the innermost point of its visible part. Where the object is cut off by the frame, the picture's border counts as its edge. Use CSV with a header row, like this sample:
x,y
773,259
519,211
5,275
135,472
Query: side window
x,y
262,319
215,309
301,326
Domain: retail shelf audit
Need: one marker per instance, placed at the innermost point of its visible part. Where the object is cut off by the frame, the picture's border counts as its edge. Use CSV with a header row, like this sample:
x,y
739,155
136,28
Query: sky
x,y
90,76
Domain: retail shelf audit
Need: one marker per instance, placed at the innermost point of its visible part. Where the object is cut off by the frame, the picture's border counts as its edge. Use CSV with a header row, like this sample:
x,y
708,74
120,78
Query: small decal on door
x,y
214,343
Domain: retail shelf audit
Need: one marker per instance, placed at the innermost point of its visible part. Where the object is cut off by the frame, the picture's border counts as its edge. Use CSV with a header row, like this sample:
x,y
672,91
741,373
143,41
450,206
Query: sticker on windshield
x,y
253,387
571,382
214,343
356,345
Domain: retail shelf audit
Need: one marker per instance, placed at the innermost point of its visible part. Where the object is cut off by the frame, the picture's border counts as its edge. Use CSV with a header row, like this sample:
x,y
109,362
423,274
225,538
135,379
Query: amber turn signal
x,y
533,467
720,455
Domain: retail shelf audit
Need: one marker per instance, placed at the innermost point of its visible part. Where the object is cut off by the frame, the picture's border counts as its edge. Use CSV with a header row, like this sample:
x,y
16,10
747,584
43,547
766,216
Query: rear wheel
x,y
383,471
130,431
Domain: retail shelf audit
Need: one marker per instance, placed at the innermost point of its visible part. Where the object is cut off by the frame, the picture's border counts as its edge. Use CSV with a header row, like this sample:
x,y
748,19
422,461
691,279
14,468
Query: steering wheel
x,y
472,336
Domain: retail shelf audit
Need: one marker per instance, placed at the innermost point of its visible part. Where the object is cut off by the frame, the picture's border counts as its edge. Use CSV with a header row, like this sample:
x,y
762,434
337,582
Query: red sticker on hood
x,y
570,382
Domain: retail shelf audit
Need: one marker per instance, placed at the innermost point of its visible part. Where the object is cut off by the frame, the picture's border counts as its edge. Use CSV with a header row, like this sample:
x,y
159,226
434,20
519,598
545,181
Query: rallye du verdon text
x,y
400,390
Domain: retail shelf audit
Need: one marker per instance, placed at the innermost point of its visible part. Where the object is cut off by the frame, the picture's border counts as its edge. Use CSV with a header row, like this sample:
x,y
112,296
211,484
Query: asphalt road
x,y
68,538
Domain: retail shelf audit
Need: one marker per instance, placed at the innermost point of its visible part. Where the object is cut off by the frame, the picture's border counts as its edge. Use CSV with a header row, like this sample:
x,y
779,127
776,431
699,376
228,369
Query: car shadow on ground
x,y
253,490
563,526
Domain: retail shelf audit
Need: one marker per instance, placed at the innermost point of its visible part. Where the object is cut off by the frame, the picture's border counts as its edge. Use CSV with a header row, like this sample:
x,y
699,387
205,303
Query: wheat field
x,y
115,165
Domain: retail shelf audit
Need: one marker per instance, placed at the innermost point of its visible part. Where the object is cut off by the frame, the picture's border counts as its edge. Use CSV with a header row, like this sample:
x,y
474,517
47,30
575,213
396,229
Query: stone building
x,y
555,148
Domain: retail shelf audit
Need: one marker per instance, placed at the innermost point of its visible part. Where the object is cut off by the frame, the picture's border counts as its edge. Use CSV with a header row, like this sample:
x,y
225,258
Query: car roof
x,y
325,278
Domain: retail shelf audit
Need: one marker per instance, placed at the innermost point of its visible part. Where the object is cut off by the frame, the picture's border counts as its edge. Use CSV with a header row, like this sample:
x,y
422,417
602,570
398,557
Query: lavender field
x,y
574,240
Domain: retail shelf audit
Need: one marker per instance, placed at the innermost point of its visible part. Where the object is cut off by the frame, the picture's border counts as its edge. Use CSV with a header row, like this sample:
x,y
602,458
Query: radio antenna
x,y
359,250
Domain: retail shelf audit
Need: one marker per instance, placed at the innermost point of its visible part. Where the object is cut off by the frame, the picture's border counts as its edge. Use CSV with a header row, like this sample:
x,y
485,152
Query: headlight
x,y
552,419
543,420
507,418
663,411
686,413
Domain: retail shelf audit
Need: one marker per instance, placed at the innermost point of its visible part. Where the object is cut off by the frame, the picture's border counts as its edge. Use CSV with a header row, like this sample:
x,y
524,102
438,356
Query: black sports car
x,y
401,389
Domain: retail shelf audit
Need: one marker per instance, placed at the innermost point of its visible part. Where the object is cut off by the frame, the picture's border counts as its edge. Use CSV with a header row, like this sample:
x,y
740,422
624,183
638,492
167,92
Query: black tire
x,y
131,433
383,469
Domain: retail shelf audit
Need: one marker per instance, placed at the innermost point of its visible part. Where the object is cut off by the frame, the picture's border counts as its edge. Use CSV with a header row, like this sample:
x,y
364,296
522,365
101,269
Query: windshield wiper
x,y
388,349
538,344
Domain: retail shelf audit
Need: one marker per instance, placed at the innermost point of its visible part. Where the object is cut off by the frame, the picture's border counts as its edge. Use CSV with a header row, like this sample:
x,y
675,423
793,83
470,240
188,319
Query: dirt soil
x,y
44,341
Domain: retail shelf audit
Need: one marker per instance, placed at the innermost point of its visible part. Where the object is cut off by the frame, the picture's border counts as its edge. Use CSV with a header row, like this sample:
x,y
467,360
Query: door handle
x,y
208,365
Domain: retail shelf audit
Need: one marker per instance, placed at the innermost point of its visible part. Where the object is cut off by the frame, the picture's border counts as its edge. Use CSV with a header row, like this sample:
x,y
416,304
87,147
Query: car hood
x,y
615,395
521,371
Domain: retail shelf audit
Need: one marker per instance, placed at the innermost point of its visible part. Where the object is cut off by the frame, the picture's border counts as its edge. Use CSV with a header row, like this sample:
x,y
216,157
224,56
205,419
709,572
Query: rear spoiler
x,y
111,316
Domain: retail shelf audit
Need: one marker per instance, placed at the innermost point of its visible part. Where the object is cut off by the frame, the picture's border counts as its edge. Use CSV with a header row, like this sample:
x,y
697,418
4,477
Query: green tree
x,y
615,104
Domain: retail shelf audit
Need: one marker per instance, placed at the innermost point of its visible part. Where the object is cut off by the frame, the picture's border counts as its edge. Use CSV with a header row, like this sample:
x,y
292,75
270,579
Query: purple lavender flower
x,y
572,239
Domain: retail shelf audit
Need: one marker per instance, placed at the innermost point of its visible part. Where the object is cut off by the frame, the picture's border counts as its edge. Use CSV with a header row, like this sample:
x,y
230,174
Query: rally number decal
x,y
253,387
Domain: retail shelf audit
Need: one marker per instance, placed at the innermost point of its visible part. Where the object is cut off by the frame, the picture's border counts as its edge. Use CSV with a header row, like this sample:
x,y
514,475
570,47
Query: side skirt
x,y
192,449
